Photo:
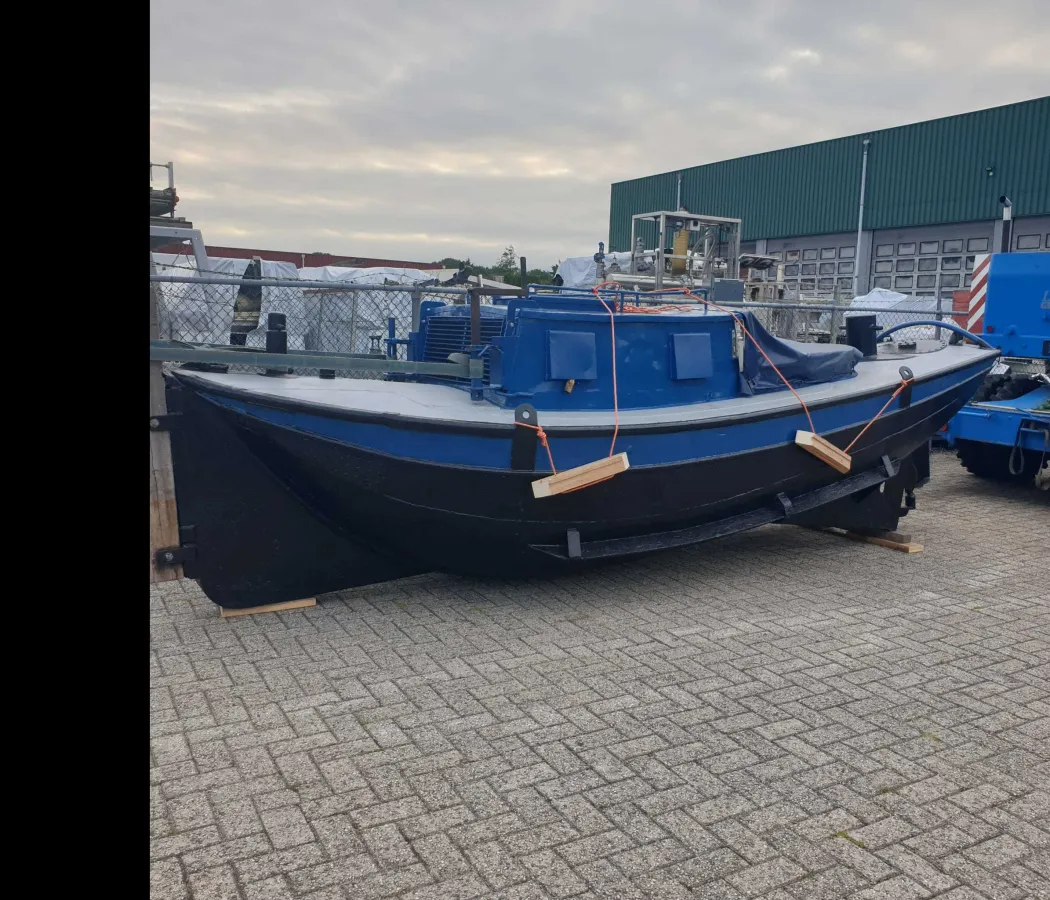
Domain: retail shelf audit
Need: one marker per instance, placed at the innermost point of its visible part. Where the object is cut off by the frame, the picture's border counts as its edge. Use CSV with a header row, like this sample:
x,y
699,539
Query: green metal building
x,y
931,200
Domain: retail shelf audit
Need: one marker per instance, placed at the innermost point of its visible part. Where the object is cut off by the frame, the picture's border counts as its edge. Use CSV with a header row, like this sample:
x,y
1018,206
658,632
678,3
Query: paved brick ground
x,y
781,714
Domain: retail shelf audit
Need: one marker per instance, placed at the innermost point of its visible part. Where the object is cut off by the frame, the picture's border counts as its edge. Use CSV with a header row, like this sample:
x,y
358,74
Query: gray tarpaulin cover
x,y
801,364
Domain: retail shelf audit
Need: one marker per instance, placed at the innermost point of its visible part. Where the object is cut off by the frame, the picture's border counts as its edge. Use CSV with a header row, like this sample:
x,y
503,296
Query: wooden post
x,y
163,514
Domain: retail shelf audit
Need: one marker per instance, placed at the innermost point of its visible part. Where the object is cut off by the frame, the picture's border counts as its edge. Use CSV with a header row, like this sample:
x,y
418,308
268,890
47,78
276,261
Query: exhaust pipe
x,y
1008,224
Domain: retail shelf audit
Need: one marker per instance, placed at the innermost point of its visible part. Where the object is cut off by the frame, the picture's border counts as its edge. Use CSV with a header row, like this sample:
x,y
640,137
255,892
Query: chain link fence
x,y
375,319
327,317
820,317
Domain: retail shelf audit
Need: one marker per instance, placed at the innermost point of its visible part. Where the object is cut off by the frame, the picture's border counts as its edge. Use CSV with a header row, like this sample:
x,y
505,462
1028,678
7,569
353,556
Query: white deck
x,y
443,403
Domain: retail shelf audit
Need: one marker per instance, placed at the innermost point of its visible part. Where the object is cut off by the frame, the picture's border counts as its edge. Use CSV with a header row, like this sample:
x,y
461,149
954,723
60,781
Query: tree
x,y
450,262
508,262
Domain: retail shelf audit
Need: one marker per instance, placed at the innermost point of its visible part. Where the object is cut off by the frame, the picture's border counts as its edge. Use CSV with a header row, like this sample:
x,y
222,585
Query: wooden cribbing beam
x,y
268,608
891,539
580,477
824,450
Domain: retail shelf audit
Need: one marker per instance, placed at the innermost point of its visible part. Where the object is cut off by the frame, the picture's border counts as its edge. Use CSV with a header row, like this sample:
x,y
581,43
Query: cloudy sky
x,y
420,129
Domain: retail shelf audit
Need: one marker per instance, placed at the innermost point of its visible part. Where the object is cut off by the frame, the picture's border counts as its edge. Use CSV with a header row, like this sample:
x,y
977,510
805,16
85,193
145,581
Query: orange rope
x,y
612,333
904,383
542,435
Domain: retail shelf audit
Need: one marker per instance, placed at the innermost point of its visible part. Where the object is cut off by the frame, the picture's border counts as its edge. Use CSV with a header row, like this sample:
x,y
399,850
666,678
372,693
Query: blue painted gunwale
x,y
487,447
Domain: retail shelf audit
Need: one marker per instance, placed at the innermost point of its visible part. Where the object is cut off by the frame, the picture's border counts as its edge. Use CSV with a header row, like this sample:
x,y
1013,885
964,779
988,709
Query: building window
x,y
791,271
926,281
777,254
809,254
807,284
847,252
884,265
950,281
905,265
954,246
810,269
977,245
845,268
827,268
967,280
1048,242
827,253
903,281
825,284
928,265
968,264
1028,242
882,281
884,250
929,246
845,284
791,255
906,249
951,263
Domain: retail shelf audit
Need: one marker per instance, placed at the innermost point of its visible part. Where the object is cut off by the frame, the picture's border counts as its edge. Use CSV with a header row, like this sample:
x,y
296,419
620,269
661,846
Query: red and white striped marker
x,y
978,292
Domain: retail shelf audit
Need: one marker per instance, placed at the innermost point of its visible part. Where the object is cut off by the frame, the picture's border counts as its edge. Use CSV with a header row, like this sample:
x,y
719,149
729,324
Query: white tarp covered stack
x,y
340,321
582,271
203,314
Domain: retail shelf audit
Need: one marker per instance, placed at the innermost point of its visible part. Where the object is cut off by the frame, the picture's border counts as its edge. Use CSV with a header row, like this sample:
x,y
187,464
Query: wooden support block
x,y
268,608
580,477
894,536
891,539
824,450
163,511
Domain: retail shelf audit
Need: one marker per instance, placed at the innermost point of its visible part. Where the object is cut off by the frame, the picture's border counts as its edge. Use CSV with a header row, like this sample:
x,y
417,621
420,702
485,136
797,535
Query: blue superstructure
x,y
555,352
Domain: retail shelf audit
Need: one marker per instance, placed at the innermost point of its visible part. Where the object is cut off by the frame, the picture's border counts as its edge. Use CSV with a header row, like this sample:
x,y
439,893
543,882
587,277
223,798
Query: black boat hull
x,y
277,514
